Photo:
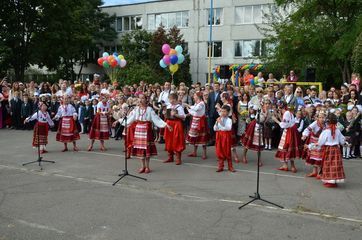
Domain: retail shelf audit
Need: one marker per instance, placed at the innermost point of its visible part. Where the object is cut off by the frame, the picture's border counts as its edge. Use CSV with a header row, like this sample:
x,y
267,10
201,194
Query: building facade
x,y
235,34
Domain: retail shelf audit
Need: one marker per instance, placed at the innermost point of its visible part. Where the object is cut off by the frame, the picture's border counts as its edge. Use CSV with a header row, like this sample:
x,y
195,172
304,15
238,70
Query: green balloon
x,y
106,64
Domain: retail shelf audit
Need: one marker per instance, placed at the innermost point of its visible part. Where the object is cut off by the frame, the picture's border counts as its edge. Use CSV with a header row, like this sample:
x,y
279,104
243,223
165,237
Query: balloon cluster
x,y
112,61
172,57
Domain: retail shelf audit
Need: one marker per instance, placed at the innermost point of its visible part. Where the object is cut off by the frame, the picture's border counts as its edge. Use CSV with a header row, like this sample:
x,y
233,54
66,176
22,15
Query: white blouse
x,y
225,125
66,111
311,128
139,114
288,120
198,109
41,117
103,108
326,138
179,109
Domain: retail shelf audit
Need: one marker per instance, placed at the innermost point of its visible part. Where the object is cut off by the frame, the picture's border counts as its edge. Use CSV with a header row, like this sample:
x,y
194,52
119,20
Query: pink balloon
x,y
166,49
166,59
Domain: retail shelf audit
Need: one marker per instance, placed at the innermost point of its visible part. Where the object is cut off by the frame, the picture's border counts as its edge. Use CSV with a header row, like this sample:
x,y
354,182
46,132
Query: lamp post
x,y
210,39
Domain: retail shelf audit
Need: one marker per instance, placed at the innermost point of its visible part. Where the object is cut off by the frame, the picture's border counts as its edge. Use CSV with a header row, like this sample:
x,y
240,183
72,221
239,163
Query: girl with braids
x,y
330,141
198,133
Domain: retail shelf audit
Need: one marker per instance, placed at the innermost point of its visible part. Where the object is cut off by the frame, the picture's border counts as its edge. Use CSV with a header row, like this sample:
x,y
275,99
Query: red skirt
x,y
100,128
130,136
250,139
42,129
199,132
314,156
143,142
175,139
67,130
289,146
223,144
332,166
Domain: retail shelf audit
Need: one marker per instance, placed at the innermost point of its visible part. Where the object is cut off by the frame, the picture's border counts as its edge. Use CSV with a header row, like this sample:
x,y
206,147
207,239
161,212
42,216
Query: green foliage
x,y
54,33
318,34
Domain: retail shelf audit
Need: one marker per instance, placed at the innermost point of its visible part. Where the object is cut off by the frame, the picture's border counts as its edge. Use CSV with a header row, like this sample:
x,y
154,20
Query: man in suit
x,y
88,115
15,109
26,111
213,99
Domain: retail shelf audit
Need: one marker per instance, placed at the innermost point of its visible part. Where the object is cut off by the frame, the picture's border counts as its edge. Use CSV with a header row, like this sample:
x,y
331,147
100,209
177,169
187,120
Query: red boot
x,y
230,166
220,168
170,158
178,158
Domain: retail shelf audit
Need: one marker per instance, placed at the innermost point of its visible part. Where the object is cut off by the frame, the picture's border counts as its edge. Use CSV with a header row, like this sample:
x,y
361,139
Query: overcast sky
x,y
117,2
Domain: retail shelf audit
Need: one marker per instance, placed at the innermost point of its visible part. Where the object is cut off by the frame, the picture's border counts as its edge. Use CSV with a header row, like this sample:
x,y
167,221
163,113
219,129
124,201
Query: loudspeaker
x,y
310,75
225,72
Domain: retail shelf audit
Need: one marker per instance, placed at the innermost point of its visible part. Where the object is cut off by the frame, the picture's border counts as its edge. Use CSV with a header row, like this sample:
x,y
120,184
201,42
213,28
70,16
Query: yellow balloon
x,y
173,68
121,57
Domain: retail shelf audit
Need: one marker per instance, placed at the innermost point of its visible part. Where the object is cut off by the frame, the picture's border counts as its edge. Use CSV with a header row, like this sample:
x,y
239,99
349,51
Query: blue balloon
x,y
162,64
105,54
173,59
115,54
181,58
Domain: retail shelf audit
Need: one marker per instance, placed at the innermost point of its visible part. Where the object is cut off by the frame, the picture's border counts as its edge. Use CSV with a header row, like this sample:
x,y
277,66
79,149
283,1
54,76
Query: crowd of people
x,y
319,127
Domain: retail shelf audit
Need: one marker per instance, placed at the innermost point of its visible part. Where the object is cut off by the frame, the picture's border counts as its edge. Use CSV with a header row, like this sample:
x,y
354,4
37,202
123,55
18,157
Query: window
x,y
168,20
216,50
217,16
128,23
119,24
250,14
248,48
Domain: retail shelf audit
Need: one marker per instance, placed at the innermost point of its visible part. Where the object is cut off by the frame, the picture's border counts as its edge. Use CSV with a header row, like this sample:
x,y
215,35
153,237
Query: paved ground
x,y
74,198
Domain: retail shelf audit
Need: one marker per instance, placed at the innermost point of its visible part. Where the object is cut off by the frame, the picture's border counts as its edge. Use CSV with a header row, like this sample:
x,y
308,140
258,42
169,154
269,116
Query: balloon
x,y
173,68
105,54
178,49
115,54
166,49
252,82
121,57
162,64
166,59
114,64
105,64
123,63
111,58
100,61
173,59
173,52
181,58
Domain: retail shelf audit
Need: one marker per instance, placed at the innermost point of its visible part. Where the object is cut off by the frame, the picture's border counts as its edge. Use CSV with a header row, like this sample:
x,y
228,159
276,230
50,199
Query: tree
x,y
54,33
75,28
19,21
317,33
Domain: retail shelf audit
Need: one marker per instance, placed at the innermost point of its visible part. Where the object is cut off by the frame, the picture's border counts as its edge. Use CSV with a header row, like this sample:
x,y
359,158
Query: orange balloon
x,y
173,52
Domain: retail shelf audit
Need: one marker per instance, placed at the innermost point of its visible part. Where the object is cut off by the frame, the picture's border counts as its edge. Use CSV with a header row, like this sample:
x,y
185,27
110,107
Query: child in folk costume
x,y
289,146
311,135
227,101
330,141
175,139
41,129
143,144
223,143
100,125
198,133
67,128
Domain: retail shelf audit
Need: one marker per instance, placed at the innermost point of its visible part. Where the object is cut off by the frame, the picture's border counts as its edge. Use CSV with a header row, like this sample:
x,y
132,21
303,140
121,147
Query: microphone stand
x,y
257,194
125,171
40,159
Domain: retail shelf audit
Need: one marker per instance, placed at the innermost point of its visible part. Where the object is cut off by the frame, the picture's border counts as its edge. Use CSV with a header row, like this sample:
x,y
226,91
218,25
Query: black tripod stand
x,y
257,194
40,159
125,171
